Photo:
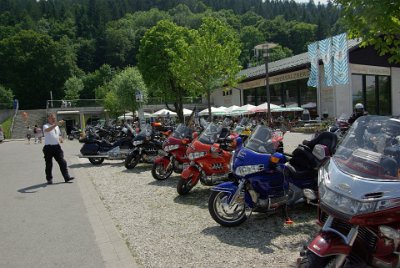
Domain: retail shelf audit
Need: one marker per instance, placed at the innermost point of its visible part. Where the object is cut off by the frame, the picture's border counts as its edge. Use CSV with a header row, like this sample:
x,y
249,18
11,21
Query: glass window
x,y
370,94
357,84
384,95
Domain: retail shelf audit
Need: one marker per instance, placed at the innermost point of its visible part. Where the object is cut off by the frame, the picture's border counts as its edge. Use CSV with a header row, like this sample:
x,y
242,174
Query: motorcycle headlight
x,y
195,155
136,143
246,170
171,147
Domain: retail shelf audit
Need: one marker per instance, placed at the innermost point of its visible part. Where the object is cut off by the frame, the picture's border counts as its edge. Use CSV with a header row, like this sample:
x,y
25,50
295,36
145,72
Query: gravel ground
x,y
163,229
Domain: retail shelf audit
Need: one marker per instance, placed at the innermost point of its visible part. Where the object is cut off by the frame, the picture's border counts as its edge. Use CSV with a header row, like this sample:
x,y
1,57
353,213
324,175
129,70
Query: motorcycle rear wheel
x,y
96,161
160,173
184,186
221,212
132,160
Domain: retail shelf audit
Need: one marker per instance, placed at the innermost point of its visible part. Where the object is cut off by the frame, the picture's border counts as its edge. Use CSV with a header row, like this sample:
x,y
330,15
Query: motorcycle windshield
x,y
182,131
371,149
145,132
211,134
261,140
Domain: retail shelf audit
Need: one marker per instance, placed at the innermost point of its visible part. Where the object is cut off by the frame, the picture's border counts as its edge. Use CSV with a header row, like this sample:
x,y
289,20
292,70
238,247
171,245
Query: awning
x,y
67,112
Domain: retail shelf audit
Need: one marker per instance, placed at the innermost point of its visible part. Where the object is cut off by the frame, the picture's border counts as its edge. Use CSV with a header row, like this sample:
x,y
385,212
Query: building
x,y
373,81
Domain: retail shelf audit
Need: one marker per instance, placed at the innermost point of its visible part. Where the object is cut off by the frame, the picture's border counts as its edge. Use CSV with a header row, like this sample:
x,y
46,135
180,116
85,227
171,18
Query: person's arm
x,y
53,126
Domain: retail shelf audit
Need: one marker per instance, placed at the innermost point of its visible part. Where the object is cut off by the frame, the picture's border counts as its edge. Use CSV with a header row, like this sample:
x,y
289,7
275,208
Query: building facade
x,y
373,81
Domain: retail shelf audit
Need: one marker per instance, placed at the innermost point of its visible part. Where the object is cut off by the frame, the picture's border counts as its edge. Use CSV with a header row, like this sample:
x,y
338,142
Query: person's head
x,y
51,118
359,109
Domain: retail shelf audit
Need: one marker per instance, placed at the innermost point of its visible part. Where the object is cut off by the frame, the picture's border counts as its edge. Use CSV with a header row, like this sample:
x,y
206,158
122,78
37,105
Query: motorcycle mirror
x,y
195,135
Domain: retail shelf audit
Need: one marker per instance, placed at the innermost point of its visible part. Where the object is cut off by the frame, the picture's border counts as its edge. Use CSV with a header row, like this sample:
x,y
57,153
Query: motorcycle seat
x,y
328,139
296,172
303,157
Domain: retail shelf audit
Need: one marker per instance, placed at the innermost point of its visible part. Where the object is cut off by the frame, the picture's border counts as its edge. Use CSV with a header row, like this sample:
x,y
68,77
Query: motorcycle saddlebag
x,y
90,149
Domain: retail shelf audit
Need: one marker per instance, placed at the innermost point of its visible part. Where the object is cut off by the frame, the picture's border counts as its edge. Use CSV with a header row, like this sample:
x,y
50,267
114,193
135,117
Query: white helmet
x,y
359,106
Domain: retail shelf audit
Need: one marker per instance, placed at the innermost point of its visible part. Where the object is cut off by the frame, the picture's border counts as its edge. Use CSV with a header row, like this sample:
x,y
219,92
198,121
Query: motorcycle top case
x,y
89,149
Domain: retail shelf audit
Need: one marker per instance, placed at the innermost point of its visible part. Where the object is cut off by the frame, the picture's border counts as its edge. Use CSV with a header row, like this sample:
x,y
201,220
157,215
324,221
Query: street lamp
x,y
264,47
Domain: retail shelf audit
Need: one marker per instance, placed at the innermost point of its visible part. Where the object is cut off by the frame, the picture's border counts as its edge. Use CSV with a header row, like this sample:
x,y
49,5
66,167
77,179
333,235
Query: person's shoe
x,y
49,182
69,179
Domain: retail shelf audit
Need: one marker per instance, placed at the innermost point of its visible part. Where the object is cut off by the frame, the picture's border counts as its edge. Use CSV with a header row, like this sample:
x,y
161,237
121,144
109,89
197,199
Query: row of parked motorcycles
x,y
354,182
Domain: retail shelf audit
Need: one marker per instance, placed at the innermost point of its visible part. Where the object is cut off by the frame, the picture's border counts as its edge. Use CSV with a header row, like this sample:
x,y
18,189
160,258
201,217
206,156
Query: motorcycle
x,y
98,150
75,134
172,157
146,146
209,156
340,127
359,207
263,180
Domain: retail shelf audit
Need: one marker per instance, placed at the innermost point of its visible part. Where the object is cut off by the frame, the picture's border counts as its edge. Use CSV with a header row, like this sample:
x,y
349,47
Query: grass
x,y
6,127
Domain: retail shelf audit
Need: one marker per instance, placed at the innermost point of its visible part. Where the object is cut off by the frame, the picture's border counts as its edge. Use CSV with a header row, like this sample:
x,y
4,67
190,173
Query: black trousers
x,y
55,151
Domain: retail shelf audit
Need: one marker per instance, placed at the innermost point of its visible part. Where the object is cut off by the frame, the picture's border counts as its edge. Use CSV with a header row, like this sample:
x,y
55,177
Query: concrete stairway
x,y
35,117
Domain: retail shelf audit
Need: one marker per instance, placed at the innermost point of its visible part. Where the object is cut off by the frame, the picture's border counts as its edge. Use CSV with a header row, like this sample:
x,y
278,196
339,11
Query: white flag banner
x,y
325,49
341,59
313,56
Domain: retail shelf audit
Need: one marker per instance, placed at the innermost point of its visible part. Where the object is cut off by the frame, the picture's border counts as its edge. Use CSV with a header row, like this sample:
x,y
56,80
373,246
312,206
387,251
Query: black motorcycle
x,y
97,150
75,134
146,145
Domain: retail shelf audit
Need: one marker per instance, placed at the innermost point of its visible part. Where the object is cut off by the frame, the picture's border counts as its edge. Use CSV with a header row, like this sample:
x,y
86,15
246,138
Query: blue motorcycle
x,y
263,178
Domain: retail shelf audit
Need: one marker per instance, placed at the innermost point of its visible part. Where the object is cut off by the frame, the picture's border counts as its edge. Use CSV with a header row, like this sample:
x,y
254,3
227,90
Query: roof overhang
x,y
67,112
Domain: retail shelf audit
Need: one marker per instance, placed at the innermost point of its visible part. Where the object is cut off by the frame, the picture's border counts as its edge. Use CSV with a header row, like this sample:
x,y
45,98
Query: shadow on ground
x,y
34,188
260,231
196,197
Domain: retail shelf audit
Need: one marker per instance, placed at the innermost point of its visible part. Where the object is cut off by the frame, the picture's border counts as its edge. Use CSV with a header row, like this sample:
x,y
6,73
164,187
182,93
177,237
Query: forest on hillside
x,y
45,43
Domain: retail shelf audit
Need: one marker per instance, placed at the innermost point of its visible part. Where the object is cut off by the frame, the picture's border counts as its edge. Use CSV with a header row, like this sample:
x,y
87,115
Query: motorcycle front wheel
x,y
132,160
160,173
184,186
223,213
96,161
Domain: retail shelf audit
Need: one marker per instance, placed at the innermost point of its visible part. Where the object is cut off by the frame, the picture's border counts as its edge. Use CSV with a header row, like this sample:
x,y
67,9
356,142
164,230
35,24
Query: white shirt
x,y
51,137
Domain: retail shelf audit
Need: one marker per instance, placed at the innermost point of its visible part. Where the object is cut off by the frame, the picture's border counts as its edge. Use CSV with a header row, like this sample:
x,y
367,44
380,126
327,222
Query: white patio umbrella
x,y
125,117
229,109
309,105
262,108
214,111
187,112
164,112
287,109
245,109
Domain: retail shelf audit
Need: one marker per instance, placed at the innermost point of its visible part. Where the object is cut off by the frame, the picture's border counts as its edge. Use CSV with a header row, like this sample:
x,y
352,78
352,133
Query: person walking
x,y
52,149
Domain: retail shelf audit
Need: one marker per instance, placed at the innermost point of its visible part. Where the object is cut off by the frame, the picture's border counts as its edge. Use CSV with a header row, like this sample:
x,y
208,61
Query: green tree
x,y
6,96
73,87
377,22
125,85
161,46
32,65
211,60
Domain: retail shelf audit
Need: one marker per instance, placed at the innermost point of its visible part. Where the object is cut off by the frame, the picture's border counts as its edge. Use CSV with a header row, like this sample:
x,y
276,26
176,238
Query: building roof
x,y
287,63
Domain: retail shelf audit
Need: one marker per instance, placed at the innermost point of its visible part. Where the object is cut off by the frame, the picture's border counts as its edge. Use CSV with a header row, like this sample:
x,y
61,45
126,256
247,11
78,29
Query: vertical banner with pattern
x,y
325,50
341,64
313,56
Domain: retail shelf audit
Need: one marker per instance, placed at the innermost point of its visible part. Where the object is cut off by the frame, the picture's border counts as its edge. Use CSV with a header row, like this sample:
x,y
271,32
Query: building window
x,y
374,92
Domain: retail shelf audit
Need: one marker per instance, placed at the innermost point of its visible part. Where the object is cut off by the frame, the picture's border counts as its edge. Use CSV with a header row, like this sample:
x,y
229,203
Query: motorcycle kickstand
x,y
286,214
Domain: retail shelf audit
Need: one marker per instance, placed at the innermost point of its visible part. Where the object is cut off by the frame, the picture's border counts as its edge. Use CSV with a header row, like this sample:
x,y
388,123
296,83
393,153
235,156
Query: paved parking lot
x,y
160,228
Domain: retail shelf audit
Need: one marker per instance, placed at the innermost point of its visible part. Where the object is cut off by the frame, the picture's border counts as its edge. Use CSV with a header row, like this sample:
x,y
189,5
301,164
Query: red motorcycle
x,y
210,155
172,157
359,207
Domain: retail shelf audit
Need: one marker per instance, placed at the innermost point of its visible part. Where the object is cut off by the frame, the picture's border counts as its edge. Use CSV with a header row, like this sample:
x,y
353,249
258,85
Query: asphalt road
x,y
41,225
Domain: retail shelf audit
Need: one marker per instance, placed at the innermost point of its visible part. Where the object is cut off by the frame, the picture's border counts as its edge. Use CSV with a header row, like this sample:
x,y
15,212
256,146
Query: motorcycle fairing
x,y
164,160
192,173
231,188
328,244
